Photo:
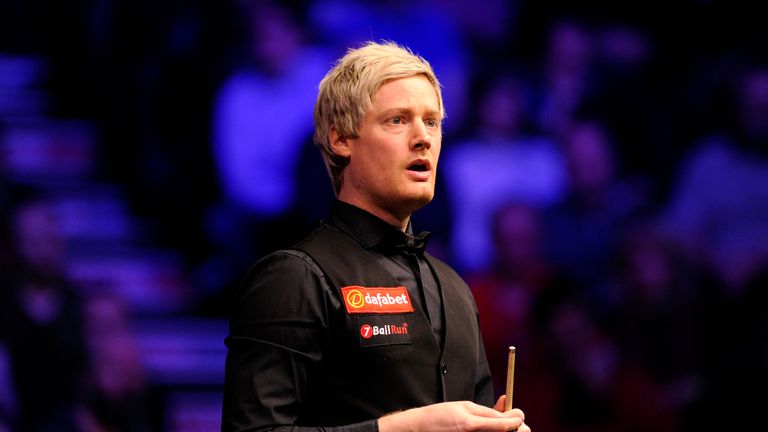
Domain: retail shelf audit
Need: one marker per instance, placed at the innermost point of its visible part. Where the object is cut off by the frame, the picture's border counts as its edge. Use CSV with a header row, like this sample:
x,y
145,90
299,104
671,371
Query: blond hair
x,y
345,94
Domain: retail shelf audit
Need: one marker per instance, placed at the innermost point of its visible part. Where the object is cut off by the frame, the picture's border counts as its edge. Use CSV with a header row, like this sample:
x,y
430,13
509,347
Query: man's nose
x,y
422,138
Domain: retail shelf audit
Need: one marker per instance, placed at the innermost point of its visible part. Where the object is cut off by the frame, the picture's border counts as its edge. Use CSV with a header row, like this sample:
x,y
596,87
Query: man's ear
x,y
339,145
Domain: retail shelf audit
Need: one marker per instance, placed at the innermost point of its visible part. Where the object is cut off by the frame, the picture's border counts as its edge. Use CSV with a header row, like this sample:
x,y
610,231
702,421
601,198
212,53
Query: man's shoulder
x,y
288,272
284,267
324,238
289,258
321,231
285,286
303,256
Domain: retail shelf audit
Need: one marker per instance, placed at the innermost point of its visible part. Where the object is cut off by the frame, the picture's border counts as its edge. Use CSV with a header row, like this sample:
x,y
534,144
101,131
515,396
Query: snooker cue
x,y
510,378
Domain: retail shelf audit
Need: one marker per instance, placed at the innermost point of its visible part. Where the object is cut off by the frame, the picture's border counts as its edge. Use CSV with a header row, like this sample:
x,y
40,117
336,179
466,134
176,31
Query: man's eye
x,y
396,120
433,123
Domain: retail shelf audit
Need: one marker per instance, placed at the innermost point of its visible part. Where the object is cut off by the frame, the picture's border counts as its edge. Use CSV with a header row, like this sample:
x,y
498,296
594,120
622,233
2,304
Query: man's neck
x,y
399,222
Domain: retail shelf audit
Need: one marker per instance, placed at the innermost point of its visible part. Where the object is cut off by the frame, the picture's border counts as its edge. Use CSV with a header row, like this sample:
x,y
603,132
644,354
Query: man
x,y
357,328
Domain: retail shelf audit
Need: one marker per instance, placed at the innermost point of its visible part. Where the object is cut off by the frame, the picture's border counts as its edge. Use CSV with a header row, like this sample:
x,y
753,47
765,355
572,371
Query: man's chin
x,y
407,202
419,200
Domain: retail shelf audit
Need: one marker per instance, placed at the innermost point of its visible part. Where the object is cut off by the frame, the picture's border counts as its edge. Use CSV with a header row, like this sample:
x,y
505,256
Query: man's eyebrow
x,y
396,110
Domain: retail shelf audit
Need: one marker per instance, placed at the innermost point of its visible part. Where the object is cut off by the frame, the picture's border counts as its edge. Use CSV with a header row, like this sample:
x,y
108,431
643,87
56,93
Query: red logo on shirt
x,y
392,300
366,331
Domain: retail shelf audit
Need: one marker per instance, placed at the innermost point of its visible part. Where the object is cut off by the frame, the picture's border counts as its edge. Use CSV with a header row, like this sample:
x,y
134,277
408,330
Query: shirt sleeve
x,y
278,326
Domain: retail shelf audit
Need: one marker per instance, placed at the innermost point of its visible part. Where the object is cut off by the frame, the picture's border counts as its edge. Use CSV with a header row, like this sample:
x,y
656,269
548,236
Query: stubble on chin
x,y
419,200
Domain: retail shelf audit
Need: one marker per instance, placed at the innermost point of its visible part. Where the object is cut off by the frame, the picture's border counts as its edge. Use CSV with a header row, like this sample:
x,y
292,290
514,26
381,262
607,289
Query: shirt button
x,y
443,369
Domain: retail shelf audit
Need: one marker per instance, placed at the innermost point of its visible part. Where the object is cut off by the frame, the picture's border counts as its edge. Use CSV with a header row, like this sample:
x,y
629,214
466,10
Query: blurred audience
x,y
261,132
116,391
655,322
582,231
719,207
263,116
260,124
718,215
41,322
597,389
566,74
503,160
625,96
509,296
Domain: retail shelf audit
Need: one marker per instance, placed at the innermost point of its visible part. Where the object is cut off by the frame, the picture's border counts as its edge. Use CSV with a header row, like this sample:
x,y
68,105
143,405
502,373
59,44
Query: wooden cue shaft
x,y
510,379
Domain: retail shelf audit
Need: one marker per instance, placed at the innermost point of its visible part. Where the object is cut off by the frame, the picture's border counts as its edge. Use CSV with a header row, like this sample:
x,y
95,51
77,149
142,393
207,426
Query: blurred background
x,y
603,189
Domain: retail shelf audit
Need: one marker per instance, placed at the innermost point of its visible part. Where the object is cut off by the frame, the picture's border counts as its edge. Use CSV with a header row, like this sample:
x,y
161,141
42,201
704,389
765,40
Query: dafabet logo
x,y
388,300
355,299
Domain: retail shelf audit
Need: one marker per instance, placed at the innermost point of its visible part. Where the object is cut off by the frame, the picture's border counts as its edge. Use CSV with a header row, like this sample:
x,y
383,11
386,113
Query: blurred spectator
x,y
597,389
719,208
257,117
505,295
583,230
656,320
567,75
263,115
508,297
152,71
116,390
41,322
629,98
503,161
487,26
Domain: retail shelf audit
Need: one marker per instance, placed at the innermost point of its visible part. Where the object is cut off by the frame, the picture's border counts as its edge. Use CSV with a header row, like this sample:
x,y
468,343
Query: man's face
x,y
393,162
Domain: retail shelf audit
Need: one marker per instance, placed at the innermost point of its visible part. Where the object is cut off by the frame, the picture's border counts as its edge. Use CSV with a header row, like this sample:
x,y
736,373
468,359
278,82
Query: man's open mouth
x,y
419,165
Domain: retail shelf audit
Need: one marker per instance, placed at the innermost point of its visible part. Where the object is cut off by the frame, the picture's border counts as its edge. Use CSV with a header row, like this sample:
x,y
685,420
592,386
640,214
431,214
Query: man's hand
x,y
455,417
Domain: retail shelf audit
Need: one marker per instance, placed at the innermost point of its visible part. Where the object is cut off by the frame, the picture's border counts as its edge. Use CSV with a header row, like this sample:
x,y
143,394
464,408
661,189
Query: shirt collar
x,y
373,232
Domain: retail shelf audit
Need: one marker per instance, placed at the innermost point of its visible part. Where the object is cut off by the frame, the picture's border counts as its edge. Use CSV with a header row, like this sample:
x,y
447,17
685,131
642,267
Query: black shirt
x,y
274,350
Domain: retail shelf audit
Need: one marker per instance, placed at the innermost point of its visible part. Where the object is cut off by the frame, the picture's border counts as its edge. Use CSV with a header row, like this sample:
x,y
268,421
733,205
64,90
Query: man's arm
x,y
277,327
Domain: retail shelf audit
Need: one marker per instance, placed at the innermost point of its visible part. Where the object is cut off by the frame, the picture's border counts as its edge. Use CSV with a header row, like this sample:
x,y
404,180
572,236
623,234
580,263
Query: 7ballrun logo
x,y
368,331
